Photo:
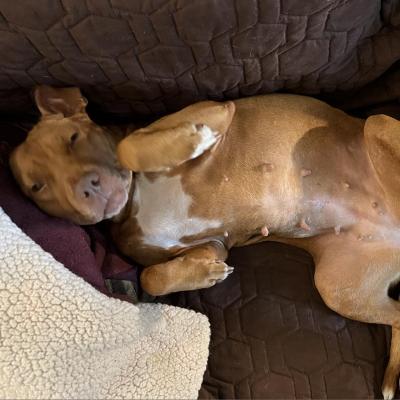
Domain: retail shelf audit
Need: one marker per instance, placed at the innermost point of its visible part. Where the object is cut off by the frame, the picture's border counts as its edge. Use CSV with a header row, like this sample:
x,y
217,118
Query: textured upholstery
x,y
154,56
272,337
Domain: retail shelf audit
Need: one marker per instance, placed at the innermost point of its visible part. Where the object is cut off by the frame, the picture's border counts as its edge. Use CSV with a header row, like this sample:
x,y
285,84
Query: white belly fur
x,y
163,212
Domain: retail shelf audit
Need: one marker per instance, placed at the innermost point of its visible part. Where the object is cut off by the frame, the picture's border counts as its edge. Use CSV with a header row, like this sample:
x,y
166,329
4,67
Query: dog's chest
x,y
164,212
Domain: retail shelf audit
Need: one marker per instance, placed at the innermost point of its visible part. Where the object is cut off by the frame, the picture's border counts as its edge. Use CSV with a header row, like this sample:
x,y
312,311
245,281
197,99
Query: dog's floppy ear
x,y
382,137
62,101
176,138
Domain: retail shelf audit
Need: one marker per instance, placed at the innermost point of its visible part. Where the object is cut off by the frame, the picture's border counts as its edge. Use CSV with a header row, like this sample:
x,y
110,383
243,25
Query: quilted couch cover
x,y
153,56
272,337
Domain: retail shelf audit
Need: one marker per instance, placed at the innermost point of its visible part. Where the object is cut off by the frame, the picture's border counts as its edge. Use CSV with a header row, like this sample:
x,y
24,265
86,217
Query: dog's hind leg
x,y
355,280
393,369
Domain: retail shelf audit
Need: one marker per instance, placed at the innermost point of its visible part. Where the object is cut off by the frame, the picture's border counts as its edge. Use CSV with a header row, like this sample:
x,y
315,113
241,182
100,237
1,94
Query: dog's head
x,y
68,164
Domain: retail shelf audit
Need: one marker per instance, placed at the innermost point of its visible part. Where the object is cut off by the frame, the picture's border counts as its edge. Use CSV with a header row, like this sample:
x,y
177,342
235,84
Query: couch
x,y
272,336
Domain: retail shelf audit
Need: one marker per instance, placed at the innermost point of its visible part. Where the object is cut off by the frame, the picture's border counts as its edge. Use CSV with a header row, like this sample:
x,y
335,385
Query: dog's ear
x,y
382,138
62,101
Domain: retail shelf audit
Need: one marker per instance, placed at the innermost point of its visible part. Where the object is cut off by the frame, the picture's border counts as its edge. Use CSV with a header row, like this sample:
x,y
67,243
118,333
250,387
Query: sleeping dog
x,y
184,190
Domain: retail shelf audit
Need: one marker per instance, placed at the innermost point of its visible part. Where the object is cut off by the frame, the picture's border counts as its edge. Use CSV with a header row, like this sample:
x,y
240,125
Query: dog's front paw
x,y
207,138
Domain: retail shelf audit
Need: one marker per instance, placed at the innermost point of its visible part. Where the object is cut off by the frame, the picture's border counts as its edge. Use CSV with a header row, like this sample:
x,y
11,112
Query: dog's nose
x,y
88,186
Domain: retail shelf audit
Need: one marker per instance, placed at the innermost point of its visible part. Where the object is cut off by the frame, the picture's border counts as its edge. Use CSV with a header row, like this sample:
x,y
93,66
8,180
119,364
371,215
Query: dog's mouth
x,y
109,199
115,203
118,195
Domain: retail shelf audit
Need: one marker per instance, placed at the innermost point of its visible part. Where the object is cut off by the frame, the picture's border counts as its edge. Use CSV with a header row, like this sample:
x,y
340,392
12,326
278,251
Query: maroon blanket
x,y
87,253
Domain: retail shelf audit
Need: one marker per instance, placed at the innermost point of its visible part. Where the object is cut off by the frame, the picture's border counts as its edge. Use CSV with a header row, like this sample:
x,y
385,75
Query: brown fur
x,y
279,167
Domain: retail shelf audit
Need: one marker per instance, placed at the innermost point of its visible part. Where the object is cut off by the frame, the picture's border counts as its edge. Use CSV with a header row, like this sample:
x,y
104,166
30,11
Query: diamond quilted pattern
x,y
103,37
176,60
364,13
213,18
308,8
16,52
304,351
280,385
348,377
38,15
239,365
181,51
305,62
268,322
258,41
270,342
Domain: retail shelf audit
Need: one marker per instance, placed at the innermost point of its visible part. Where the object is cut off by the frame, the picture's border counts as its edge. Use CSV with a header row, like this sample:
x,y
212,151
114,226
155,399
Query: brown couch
x,y
272,337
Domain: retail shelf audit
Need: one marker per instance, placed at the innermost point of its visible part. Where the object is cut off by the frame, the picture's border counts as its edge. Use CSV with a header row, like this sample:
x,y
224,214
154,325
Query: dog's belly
x,y
316,179
163,213
167,219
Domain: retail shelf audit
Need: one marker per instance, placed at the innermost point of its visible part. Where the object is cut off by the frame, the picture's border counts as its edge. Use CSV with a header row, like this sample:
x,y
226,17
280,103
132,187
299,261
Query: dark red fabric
x,y
87,253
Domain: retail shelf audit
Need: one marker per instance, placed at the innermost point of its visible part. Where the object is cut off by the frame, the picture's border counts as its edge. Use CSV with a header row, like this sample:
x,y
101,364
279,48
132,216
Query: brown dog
x,y
217,175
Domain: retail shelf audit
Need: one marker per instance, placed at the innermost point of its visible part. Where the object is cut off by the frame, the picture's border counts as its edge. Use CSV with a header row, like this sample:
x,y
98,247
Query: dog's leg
x,y
393,369
149,150
197,268
173,140
354,280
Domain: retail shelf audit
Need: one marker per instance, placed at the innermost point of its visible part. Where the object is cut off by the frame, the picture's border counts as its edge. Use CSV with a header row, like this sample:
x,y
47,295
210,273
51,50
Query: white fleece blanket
x,y
61,338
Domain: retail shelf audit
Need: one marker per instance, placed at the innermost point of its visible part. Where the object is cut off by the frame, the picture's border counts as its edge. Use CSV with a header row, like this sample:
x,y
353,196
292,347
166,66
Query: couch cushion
x,y
151,57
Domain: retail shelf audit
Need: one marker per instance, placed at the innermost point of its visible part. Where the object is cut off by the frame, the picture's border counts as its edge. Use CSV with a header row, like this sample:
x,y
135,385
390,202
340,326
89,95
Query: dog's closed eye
x,y
37,187
73,138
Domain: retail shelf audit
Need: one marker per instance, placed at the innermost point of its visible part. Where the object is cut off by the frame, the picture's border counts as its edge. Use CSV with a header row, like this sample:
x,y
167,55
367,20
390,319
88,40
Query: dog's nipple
x,y
226,179
267,167
303,225
374,204
264,231
337,229
226,234
346,185
305,172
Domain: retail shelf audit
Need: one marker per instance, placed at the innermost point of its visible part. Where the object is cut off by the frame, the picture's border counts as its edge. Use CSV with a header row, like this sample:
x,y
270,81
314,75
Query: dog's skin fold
x,y
217,175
